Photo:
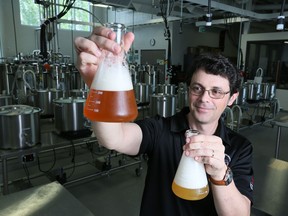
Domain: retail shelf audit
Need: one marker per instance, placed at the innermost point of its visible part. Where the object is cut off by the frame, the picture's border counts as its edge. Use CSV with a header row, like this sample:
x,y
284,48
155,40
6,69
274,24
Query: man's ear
x,y
232,98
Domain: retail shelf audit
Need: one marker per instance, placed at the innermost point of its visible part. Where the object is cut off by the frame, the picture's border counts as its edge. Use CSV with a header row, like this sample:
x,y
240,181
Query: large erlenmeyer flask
x,y
190,181
111,97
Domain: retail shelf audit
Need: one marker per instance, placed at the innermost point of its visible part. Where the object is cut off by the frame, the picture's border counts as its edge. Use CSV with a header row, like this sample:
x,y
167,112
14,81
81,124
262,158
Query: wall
x,y
28,38
192,37
143,35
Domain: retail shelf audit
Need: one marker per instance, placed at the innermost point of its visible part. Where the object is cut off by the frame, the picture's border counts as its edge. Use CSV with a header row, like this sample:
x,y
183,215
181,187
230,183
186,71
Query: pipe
x,y
282,8
209,15
14,27
281,18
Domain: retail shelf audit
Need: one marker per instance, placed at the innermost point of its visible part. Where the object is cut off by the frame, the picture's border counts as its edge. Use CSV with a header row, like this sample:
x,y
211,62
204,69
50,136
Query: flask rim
x,y
113,25
191,132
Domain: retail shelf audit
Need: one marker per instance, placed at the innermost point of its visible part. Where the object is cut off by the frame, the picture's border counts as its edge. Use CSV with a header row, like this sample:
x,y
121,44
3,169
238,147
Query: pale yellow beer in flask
x,y
190,181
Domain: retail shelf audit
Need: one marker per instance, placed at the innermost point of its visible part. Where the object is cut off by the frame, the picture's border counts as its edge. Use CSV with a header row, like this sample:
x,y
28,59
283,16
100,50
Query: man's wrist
x,y
226,180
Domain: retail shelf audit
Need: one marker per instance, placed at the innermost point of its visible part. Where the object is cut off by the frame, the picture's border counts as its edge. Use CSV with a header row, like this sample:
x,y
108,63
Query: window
x,y
76,14
30,14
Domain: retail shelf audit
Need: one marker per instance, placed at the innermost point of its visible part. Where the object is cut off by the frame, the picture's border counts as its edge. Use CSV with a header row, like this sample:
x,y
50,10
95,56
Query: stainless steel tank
x,y
182,98
254,91
166,89
162,104
69,115
19,126
44,99
242,97
142,92
272,91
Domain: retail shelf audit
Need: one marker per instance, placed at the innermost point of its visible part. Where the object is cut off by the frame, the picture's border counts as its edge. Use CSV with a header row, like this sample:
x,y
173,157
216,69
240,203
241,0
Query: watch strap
x,y
225,181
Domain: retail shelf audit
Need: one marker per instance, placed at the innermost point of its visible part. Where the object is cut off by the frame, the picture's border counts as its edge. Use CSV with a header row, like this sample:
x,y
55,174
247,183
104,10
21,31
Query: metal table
x,y
270,191
51,141
51,200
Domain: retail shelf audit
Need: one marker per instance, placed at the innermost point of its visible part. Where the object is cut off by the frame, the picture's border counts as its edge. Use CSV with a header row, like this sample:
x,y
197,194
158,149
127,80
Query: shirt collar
x,y
179,123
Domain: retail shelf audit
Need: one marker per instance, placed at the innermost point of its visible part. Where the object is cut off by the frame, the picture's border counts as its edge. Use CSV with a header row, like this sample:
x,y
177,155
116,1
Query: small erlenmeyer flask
x,y
190,181
111,96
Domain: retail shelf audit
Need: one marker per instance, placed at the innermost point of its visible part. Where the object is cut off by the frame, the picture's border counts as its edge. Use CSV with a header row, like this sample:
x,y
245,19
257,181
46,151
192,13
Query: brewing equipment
x,y
254,91
182,96
142,92
242,96
162,104
5,100
268,91
44,99
166,89
5,82
68,116
20,126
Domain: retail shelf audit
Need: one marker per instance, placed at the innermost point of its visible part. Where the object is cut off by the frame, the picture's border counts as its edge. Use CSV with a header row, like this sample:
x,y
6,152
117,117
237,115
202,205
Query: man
x,y
213,84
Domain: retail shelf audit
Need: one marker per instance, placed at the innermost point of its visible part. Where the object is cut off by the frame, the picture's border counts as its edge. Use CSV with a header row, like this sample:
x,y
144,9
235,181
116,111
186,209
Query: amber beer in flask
x,y
111,96
190,181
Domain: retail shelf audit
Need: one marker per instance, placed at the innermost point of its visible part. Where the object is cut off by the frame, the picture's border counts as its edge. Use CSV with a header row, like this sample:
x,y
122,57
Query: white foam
x,y
112,77
190,174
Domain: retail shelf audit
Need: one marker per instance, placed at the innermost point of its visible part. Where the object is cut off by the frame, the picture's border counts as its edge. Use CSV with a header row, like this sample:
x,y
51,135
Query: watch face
x,y
228,177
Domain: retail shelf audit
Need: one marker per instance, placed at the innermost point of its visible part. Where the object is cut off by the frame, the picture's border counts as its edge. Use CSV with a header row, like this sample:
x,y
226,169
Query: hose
x,y
25,81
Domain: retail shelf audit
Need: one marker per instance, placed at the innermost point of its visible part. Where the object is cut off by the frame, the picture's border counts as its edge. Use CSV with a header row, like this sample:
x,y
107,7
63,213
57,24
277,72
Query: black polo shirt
x,y
163,139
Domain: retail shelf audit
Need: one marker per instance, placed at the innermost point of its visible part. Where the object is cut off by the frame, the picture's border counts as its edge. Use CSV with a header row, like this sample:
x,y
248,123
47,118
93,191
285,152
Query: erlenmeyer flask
x,y
190,181
111,96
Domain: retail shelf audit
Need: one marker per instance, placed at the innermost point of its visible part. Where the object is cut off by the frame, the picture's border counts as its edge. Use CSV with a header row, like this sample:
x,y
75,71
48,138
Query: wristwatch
x,y
225,181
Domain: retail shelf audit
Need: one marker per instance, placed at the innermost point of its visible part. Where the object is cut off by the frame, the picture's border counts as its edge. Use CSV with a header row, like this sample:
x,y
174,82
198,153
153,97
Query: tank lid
x,y
70,100
12,110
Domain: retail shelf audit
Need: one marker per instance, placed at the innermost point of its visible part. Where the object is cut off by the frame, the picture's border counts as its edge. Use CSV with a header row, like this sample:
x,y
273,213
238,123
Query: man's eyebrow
x,y
213,87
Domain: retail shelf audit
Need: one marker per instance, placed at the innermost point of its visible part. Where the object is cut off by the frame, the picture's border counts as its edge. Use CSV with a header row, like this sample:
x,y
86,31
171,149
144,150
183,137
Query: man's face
x,y
203,108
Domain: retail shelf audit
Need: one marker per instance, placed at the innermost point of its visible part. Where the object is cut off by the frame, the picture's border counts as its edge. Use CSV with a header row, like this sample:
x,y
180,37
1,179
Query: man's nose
x,y
205,95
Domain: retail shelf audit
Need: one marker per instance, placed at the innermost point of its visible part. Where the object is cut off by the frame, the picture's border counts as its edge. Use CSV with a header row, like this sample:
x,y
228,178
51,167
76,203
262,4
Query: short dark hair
x,y
216,64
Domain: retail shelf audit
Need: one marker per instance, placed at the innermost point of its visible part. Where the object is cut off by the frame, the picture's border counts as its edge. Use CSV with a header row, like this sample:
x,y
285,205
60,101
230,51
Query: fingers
x,y
85,45
207,149
104,38
128,40
88,58
87,64
89,50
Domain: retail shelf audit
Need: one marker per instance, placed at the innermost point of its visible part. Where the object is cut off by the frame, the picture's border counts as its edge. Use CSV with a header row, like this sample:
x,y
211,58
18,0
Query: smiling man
x,y
213,84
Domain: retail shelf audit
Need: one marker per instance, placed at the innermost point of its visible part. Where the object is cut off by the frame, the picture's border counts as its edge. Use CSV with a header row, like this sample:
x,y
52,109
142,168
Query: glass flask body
x,y
190,181
111,96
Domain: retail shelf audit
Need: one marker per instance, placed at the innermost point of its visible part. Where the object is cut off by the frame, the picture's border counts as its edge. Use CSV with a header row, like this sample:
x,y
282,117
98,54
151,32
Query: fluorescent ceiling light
x,y
100,5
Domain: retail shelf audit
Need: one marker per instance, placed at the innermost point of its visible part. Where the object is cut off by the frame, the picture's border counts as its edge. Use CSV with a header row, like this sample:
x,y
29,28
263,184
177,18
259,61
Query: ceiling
x,y
223,11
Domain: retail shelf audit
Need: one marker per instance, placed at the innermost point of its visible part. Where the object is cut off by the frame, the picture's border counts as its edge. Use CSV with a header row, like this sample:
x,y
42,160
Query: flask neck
x,y
119,29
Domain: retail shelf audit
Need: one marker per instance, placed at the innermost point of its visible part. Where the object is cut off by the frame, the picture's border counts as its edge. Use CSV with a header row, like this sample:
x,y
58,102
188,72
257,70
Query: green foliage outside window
x,y
77,15
31,13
